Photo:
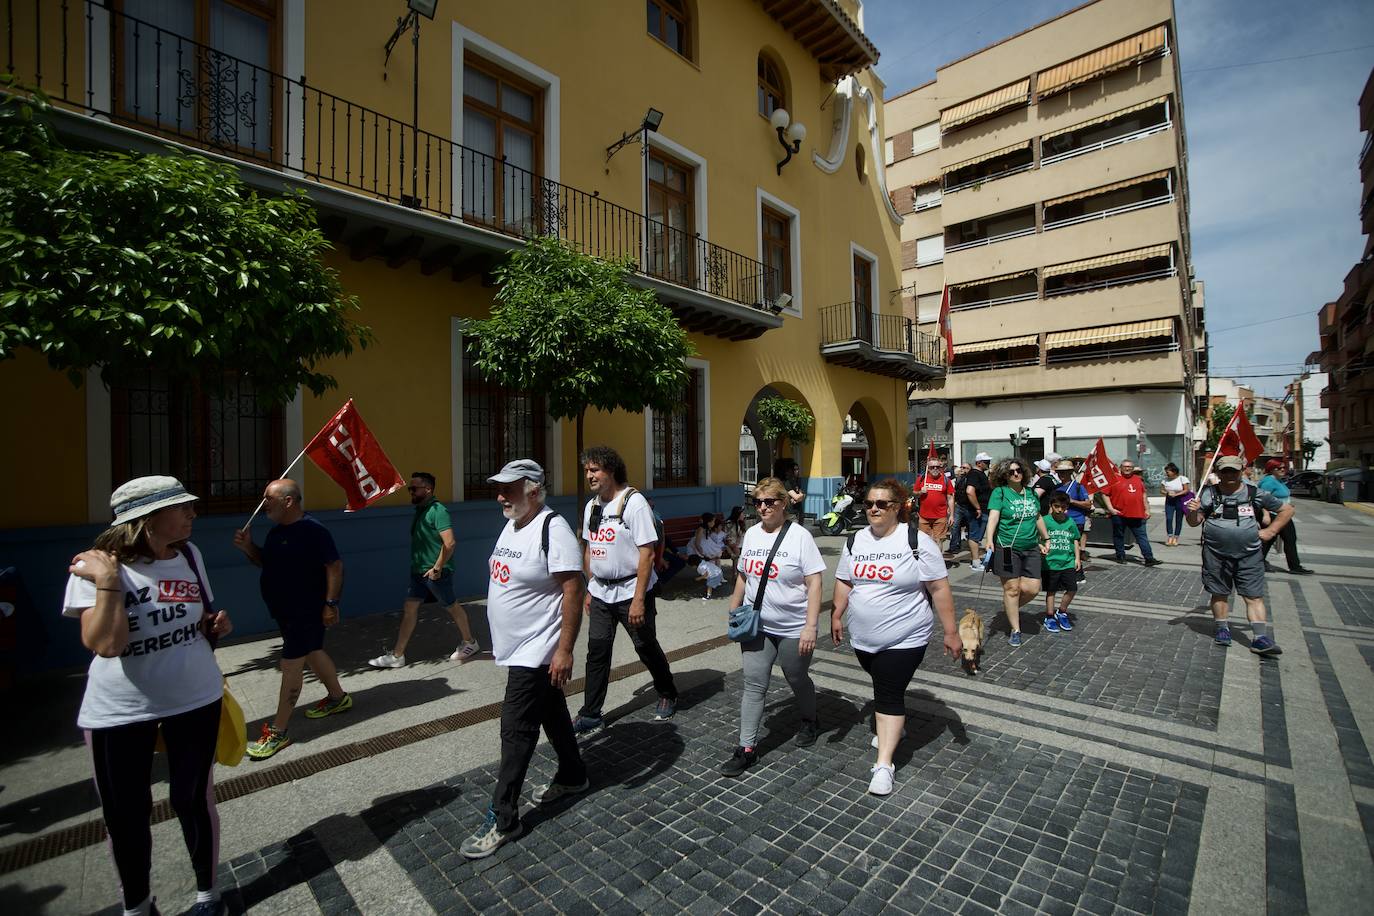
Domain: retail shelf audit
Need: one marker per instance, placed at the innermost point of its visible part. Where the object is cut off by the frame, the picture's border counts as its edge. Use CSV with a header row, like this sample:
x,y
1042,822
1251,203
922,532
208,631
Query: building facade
x,y
777,259
1346,326
1308,421
1044,180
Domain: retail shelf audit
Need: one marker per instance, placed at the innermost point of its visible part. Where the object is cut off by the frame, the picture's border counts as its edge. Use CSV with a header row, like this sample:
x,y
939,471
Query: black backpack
x,y
913,536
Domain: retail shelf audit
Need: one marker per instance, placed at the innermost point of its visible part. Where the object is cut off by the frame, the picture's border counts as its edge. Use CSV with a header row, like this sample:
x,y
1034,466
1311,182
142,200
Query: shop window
x,y
677,451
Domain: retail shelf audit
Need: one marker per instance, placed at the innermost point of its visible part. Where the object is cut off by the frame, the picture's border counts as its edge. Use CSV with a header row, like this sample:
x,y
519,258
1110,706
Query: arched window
x,y
772,90
670,22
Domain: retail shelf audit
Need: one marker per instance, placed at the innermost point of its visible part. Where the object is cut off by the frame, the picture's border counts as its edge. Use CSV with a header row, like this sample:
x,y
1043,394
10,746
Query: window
x,y
860,163
676,455
888,152
672,226
930,250
499,425
503,121
772,90
925,138
200,68
928,308
928,196
777,253
863,281
670,24
223,445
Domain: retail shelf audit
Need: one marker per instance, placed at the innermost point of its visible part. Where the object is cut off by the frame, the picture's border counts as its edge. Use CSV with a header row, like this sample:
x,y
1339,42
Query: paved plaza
x,y
1129,766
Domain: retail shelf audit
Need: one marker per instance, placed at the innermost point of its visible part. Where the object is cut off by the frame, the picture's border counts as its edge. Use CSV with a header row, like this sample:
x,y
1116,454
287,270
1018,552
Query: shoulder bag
x,y
744,620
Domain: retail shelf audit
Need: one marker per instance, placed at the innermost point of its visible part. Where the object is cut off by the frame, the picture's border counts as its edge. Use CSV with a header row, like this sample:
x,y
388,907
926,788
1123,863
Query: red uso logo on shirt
x,y
755,568
500,572
603,535
873,571
177,590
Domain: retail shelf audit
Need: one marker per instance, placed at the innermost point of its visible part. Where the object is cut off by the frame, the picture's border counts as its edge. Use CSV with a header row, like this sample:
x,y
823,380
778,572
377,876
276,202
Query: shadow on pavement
x,y
16,899
32,814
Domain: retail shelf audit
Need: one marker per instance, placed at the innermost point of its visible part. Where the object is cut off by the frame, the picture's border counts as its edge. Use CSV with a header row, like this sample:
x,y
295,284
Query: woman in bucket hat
x,y
144,606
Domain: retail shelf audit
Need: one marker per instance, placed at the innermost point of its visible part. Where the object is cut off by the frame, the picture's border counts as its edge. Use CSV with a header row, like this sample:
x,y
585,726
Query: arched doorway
x,y
758,453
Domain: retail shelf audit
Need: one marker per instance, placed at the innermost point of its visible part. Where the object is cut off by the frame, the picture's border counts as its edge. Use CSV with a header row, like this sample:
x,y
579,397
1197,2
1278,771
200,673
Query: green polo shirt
x,y
430,519
1062,535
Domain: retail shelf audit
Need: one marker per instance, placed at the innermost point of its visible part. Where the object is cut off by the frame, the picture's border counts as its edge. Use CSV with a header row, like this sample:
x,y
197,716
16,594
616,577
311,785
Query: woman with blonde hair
x,y
145,611
1016,539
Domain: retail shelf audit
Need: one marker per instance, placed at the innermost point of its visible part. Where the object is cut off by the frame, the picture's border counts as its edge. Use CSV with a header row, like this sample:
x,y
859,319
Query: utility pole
x,y
1054,437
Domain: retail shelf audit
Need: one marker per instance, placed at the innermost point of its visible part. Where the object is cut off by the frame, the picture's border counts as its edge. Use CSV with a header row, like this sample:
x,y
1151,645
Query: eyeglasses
x,y
882,505
766,502
1015,471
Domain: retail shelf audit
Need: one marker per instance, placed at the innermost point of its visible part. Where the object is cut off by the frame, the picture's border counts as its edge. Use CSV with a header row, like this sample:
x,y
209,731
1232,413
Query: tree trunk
x,y
581,477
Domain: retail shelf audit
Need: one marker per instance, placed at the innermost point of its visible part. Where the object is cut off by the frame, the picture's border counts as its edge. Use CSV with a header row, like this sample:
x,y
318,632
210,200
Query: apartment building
x,y
650,131
1044,184
1346,326
1308,421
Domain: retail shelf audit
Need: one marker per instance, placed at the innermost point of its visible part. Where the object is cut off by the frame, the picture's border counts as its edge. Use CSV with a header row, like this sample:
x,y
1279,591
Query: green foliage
x,y
1221,415
782,418
167,262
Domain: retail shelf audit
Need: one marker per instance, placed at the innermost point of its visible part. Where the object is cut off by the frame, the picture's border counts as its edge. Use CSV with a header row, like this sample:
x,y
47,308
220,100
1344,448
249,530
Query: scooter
x,y
845,513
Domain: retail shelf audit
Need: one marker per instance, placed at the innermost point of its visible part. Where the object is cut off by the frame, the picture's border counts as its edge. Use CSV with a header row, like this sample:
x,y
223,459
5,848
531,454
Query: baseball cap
x,y
981,456
146,495
1043,466
1230,463
519,469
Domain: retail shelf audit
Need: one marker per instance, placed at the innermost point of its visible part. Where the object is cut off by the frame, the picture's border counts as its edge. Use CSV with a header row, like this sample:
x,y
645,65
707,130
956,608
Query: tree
x,y
1221,415
127,261
572,328
782,418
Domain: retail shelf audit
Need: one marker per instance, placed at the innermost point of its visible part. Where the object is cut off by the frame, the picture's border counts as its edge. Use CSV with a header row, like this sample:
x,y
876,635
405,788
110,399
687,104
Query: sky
x,y
1273,148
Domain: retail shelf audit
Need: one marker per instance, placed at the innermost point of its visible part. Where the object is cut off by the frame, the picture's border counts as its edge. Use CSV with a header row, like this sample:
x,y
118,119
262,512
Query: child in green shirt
x,y
1061,563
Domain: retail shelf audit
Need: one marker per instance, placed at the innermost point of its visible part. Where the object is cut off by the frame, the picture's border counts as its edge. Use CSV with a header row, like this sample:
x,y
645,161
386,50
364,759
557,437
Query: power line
x,y
1275,60
1241,327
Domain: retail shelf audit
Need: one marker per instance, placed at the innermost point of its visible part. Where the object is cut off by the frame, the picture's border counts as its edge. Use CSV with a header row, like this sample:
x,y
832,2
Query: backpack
x,y
913,534
1252,497
662,541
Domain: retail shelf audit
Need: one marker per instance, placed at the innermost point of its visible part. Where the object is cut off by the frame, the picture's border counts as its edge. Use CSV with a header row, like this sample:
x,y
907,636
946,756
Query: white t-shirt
x,y
168,667
784,600
889,607
614,548
1176,486
524,600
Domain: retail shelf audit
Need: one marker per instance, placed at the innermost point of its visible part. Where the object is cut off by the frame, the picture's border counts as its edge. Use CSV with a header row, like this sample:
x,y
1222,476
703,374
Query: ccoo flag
x,y
346,450
1099,473
946,327
1239,437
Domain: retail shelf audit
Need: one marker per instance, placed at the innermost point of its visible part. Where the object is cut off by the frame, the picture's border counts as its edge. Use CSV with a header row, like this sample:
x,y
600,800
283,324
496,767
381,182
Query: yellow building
x,y
782,274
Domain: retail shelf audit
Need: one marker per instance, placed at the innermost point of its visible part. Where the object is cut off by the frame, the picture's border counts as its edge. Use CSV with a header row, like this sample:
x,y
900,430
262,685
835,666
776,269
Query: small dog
x,y
971,632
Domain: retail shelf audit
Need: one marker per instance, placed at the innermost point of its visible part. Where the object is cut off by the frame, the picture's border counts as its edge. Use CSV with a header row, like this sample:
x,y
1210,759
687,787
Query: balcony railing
x,y
990,177
995,300
1069,355
988,240
999,364
1115,281
1114,141
139,74
1110,211
855,321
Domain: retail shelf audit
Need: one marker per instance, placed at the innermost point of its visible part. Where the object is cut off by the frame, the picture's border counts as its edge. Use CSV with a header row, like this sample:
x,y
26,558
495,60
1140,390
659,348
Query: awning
x,y
984,281
1112,116
1017,93
1005,343
1106,260
1128,183
1115,56
1158,327
1015,147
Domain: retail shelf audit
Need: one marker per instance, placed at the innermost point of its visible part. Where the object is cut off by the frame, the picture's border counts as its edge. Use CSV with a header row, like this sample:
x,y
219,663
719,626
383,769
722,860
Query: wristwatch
x,y
331,602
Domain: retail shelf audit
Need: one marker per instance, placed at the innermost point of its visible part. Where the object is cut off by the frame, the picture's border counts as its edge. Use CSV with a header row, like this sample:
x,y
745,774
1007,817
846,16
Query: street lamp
x,y
790,134
411,20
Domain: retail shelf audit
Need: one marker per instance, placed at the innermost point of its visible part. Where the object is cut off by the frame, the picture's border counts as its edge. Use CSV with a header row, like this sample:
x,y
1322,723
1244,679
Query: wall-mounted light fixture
x,y
652,118
780,303
411,20
790,134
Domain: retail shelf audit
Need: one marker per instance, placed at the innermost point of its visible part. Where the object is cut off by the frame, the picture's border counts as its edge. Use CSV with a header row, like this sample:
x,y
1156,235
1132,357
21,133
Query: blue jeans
x,y
965,518
1173,516
1137,526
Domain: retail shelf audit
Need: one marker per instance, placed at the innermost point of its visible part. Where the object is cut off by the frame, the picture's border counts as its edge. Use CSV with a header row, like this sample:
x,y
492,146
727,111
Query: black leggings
x,y
123,760
891,671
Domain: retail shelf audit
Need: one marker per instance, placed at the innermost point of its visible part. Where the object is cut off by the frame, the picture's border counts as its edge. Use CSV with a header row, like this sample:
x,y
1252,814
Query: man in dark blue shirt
x,y
302,576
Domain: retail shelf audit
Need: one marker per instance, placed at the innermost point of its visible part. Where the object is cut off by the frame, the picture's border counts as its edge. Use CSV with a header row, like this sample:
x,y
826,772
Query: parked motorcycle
x,y
845,513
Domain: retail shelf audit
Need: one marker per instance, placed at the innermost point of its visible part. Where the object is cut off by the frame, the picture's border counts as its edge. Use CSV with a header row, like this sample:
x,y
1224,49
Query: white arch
x,y
839,138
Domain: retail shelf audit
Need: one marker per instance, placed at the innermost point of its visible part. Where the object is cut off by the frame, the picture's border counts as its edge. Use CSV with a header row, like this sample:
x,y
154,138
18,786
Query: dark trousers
x,y
123,760
1289,535
531,703
1137,526
601,640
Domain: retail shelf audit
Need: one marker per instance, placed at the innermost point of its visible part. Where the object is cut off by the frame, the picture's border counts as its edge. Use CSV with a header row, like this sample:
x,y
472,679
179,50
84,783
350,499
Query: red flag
x,y
946,328
1099,473
931,454
346,450
1238,438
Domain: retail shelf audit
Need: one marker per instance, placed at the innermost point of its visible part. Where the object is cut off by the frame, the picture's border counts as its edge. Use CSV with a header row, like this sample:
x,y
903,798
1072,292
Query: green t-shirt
x,y
1062,536
425,543
1016,527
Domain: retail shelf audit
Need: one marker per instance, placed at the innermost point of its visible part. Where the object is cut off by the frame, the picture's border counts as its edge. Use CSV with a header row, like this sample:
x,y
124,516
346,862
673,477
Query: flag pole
x,y
263,502
1220,440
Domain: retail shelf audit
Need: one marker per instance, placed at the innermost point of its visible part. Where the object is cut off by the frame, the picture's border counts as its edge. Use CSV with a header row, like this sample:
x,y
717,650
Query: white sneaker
x,y
554,791
387,660
881,783
874,743
465,652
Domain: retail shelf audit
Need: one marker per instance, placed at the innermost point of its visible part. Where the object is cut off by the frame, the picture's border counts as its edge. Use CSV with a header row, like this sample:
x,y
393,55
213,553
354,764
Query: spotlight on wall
x,y
790,134
780,303
652,119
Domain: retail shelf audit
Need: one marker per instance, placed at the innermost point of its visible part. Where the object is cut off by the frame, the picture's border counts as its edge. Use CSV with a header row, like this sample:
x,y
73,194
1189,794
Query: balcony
x,y
1125,126
853,335
1108,271
976,233
381,187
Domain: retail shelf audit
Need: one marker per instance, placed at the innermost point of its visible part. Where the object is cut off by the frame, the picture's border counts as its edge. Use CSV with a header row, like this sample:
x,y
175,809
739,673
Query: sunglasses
x,y
882,505
1015,471
766,502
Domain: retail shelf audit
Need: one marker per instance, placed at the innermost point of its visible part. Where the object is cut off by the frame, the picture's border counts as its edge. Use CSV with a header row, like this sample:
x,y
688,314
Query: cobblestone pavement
x,y
1129,766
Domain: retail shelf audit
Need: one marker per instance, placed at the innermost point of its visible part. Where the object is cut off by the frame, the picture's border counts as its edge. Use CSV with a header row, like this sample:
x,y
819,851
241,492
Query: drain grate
x,y
88,833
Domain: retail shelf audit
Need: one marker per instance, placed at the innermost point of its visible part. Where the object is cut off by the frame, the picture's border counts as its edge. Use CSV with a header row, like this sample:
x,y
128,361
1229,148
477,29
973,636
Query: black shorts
x,y
891,671
1053,581
301,634
1010,563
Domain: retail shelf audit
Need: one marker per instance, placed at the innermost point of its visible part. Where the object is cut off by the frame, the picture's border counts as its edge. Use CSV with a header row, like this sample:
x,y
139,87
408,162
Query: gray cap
x,y
146,495
1230,463
981,456
519,469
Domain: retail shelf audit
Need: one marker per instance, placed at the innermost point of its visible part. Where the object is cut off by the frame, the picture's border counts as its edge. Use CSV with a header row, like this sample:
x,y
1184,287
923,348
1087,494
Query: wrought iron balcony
x,y
853,335
137,74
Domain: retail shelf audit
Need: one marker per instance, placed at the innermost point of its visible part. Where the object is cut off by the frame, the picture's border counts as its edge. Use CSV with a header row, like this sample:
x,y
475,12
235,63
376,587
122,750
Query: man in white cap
x,y
971,504
534,610
1045,484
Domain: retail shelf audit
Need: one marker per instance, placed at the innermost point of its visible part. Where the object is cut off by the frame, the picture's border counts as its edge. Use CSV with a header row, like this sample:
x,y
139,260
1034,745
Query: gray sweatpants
x,y
757,658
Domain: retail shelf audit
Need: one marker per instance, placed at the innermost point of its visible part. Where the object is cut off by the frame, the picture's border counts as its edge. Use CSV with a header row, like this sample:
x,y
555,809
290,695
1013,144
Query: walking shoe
x,y
387,660
214,907
1264,645
881,783
1120,559
874,743
487,839
1015,639
1270,567
665,709
586,726
742,759
1154,561
1051,624
951,564
328,707
1223,637
806,734
270,742
545,795
1063,620
1301,571
465,652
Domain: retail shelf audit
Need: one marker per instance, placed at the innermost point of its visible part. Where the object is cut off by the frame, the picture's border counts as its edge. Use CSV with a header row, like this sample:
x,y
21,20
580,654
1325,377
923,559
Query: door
x,y
863,298
671,227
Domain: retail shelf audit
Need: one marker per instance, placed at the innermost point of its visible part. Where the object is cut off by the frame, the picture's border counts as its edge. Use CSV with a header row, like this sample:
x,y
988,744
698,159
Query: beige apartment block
x,y
1043,183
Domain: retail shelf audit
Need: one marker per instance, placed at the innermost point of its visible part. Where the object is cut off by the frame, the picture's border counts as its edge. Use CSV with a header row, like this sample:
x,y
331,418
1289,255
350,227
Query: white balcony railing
x,y
1115,141
1118,281
1070,356
995,300
993,367
986,178
1104,214
978,243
